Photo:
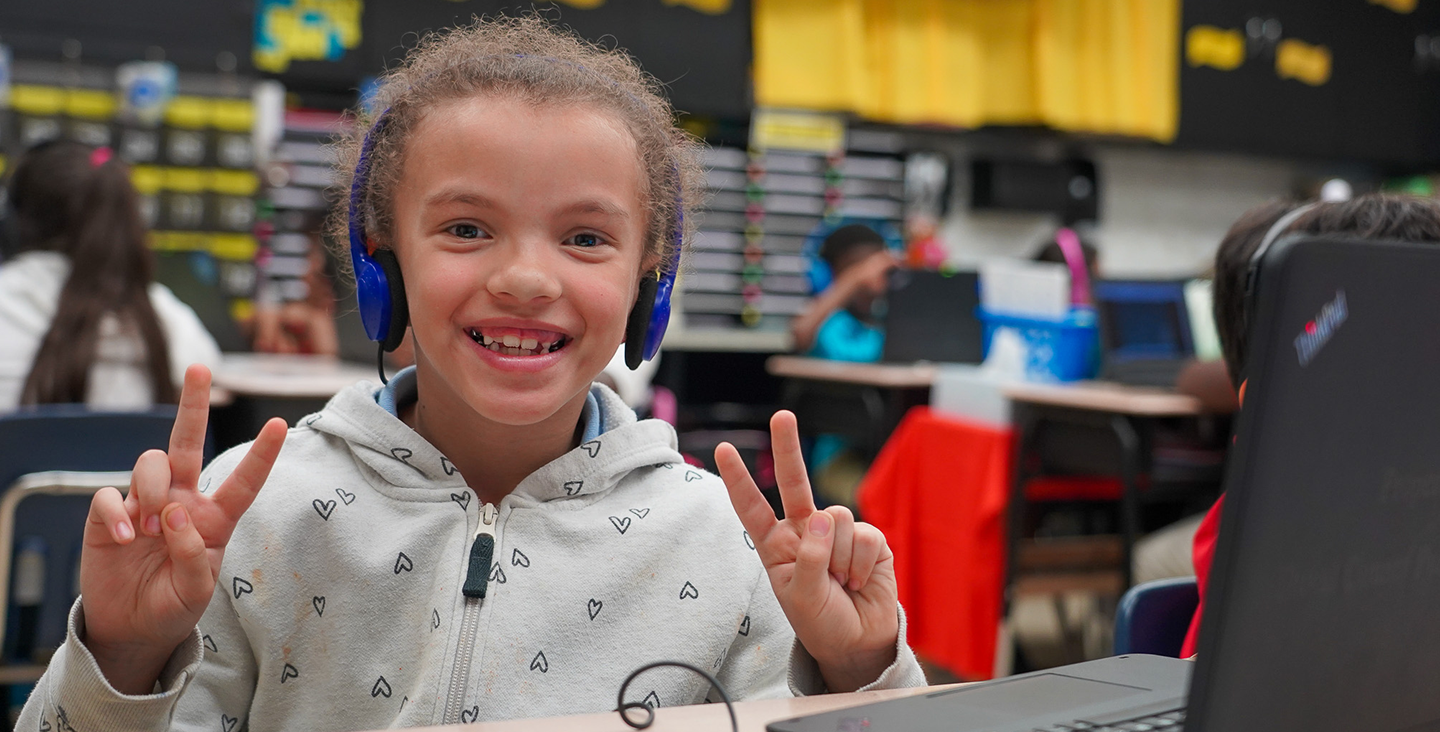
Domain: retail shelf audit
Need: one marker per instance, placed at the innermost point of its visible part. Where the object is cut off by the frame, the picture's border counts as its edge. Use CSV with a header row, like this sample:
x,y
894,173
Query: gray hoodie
x,y
368,587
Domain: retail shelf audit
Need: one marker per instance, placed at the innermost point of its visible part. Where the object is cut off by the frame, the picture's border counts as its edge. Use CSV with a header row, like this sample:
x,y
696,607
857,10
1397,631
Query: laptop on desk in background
x,y
931,316
1144,331
1320,614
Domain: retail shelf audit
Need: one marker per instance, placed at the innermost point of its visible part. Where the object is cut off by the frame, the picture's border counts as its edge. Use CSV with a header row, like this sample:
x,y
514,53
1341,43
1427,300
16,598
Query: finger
x,y
108,514
844,523
238,491
187,437
869,542
150,487
811,581
754,511
190,572
790,466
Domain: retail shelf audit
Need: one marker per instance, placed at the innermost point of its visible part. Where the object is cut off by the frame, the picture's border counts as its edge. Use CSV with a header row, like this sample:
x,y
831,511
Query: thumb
x,y
190,572
811,580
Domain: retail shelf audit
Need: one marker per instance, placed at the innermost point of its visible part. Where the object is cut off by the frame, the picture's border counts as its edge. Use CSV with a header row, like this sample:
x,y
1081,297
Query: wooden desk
x,y
753,715
250,388
1128,414
883,375
862,401
1104,396
287,376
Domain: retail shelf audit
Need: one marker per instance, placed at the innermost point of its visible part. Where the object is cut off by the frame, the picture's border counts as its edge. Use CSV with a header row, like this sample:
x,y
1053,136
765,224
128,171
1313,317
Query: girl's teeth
x,y
529,344
511,341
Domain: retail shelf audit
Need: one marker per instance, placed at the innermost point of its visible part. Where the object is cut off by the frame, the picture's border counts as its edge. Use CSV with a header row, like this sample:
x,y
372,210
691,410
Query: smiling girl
x,y
489,536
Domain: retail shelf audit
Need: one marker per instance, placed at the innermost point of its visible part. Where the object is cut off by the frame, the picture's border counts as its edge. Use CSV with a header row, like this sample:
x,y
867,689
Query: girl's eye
x,y
586,240
467,231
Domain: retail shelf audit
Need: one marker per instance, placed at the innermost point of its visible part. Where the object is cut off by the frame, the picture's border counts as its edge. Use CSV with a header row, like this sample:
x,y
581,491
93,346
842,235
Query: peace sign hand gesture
x,y
144,591
834,577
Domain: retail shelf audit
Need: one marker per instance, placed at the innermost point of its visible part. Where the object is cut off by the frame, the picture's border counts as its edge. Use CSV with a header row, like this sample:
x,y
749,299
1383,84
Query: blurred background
x,y
966,134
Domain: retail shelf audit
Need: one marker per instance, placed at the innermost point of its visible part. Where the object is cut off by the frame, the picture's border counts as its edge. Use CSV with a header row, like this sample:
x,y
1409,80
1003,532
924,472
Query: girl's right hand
x,y
150,559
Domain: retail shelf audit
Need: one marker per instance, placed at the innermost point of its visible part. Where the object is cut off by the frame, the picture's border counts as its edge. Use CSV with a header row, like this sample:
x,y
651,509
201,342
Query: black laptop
x,y
931,316
1321,613
1144,331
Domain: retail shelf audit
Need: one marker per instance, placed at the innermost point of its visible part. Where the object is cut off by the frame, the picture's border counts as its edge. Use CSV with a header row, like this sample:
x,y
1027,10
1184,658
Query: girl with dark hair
x,y
80,317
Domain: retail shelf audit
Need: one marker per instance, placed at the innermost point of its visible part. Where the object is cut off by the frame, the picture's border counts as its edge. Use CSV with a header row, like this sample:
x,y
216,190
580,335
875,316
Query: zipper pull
x,y
482,551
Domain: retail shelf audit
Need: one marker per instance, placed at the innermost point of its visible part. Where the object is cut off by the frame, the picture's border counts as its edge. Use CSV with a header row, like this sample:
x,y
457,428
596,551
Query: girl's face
x,y
519,230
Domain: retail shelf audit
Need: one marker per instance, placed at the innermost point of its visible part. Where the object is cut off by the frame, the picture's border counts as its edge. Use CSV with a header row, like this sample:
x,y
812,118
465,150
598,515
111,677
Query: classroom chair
x,y
52,460
1154,617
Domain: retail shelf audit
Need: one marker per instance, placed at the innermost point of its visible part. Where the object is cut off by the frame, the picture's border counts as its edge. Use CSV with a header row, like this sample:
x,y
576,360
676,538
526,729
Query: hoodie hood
x,y
402,464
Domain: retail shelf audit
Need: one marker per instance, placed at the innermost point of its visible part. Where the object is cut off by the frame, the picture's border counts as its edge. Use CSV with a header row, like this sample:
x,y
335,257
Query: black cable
x,y
380,363
624,708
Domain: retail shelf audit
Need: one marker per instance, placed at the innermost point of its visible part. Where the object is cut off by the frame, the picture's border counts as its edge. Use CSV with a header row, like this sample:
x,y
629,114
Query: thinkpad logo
x,y
1318,331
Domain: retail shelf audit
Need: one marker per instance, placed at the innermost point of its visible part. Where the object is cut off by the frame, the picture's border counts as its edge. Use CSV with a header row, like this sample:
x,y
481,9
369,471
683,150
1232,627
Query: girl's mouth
x,y
517,342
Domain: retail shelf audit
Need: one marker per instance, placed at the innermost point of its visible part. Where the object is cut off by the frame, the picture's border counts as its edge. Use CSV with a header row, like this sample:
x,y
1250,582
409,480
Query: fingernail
x,y
178,519
819,524
839,577
854,585
124,532
152,525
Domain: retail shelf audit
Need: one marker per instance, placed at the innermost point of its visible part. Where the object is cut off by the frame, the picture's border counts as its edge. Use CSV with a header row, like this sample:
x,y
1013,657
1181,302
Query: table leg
x,y
1130,466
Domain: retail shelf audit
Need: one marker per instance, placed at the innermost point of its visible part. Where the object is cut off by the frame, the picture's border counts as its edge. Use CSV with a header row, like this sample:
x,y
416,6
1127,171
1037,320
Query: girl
x,y
80,317
489,536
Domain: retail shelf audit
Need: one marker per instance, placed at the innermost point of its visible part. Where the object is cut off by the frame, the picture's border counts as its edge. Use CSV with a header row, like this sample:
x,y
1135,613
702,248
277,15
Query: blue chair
x,y
52,460
1154,617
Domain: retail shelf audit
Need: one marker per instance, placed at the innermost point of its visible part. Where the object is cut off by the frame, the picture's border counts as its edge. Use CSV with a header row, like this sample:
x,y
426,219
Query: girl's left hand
x,y
834,577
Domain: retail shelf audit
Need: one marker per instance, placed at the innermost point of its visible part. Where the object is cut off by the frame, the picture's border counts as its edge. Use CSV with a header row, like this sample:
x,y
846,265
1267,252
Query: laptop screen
x,y
1144,320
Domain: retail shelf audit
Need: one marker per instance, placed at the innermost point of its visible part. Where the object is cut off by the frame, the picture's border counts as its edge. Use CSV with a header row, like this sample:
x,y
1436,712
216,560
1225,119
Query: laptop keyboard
x,y
1171,721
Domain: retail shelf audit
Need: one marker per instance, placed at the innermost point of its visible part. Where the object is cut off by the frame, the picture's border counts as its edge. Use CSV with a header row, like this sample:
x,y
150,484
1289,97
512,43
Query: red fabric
x,y
938,490
1204,551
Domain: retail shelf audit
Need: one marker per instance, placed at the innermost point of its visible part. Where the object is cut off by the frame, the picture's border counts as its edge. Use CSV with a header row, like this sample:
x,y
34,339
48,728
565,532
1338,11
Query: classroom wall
x,y
1162,211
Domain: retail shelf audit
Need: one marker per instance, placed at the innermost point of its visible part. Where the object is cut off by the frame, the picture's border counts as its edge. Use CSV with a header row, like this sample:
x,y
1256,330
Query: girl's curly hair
x,y
531,59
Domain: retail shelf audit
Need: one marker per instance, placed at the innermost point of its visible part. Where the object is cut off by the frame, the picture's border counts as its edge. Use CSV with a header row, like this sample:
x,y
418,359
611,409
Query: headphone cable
x,y
624,708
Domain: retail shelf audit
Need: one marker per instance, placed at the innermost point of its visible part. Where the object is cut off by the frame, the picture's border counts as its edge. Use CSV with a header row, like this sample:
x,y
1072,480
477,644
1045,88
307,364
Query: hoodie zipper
x,y
477,576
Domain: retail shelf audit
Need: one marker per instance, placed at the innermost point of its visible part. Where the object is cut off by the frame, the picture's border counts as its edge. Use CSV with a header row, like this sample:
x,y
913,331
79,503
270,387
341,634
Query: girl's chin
x,y
519,408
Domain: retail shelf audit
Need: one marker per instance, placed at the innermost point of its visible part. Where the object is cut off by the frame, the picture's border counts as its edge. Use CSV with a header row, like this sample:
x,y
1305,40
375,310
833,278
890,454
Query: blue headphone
x,y
380,289
818,271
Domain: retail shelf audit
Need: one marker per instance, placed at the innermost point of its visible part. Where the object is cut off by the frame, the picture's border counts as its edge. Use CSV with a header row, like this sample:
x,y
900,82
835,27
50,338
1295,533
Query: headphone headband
x,y
1276,229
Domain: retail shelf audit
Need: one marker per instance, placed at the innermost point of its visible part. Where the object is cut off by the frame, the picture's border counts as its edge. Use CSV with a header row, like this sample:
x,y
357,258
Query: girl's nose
x,y
521,274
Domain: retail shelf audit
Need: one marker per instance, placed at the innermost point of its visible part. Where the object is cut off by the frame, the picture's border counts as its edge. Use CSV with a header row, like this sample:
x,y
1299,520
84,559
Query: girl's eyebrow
x,y
451,195
470,198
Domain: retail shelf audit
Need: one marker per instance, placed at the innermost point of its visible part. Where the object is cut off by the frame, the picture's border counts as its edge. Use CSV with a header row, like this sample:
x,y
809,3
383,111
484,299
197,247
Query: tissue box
x,y
1055,350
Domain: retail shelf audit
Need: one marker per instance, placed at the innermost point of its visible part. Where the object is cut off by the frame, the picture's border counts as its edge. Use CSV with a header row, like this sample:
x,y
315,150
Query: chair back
x,y
48,518
1155,617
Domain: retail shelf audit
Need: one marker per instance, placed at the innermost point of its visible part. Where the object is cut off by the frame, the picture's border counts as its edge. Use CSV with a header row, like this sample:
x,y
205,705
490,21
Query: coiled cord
x,y
624,708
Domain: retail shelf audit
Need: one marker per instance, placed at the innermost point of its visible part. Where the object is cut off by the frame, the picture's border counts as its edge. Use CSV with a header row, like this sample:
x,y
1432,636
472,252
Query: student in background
x,y
1374,216
80,315
839,323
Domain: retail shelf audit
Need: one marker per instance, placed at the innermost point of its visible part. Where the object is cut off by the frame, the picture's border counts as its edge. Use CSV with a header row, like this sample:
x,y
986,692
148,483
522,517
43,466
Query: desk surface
x,y
1105,396
287,376
1097,395
753,715
888,375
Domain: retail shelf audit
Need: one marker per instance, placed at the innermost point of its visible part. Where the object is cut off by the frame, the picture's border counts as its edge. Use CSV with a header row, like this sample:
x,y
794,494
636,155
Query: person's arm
x,y
869,273
805,325
1209,381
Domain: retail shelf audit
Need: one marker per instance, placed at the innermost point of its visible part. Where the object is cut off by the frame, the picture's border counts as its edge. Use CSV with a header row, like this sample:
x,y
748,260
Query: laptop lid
x,y
1143,320
1321,613
931,316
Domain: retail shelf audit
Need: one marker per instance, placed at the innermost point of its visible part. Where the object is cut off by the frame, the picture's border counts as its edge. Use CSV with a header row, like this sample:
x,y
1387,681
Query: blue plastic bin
x,y
1056,350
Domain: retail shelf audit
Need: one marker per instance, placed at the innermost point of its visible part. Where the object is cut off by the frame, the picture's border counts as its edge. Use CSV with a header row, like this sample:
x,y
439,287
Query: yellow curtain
x,y
1101,66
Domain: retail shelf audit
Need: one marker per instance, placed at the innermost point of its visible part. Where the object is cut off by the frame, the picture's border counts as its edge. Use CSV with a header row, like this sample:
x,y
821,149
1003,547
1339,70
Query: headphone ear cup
x,y
638,326
399,308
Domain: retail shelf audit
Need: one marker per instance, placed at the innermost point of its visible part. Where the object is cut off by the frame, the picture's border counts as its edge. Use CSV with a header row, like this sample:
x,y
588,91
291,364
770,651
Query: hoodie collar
x,y
405,466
